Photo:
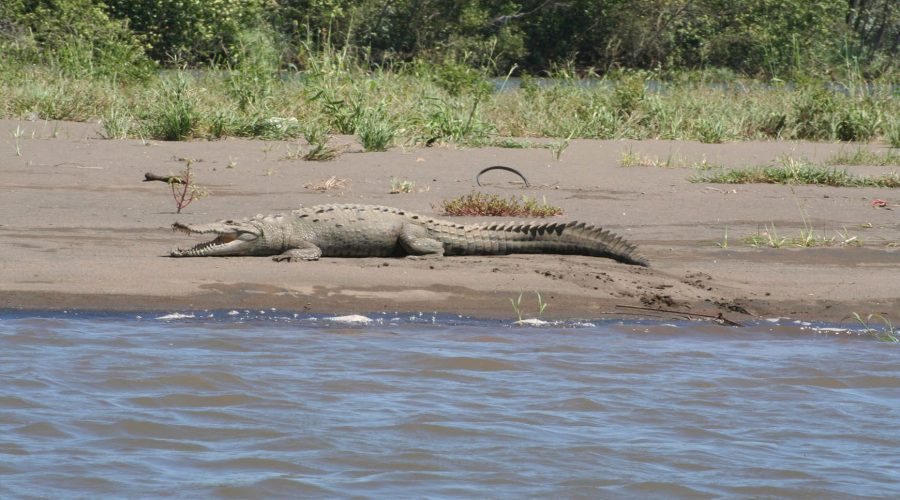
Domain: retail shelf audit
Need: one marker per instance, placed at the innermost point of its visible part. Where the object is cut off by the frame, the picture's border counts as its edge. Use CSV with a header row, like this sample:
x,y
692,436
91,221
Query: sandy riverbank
x,y
78,229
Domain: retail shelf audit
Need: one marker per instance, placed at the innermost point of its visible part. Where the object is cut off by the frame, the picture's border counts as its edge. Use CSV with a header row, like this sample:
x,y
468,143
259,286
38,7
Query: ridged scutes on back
x,y
580,237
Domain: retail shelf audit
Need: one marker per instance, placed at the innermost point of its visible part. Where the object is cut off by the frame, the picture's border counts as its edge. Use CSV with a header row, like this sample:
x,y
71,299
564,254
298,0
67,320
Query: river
x,y
267,404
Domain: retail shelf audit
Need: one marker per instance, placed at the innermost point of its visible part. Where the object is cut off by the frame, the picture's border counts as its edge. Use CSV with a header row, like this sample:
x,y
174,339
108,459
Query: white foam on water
x,y
176,316
351,318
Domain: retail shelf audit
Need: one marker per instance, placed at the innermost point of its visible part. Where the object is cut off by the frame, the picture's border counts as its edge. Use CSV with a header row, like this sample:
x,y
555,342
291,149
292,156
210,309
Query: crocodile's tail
x,y
574,238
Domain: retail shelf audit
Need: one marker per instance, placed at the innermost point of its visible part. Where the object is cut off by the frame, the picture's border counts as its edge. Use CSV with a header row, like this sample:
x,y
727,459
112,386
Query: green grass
x,y
174,116
807,237
631,159
479,204
892,132
452,121
432,104
794,173
768,237
519,311
117,124
317,138
375,130
399,186
557,148
887,332
724,243
514,144
864,156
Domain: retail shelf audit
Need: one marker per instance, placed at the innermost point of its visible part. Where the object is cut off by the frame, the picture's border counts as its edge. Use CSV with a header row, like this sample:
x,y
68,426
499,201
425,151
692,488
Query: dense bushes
x,y
189,31
75,37
417,71
770,38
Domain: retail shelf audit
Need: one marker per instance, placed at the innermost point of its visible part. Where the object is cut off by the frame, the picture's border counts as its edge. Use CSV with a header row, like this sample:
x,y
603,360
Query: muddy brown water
x,y
268,404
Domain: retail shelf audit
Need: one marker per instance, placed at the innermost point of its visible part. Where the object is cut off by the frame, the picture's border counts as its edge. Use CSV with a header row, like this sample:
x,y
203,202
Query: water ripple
x,y
273,405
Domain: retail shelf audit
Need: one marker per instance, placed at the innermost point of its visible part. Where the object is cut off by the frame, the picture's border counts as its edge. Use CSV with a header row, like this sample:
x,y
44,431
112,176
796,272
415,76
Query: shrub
x,y
75,37
491,204
190,30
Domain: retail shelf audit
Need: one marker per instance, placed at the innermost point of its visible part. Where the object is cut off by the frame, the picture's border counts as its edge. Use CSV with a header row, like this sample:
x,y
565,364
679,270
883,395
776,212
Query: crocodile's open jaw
x,y
230,239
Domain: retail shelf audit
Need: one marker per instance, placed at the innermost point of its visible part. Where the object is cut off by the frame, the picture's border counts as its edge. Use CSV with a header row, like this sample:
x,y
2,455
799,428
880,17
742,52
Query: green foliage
x,y
816,113
710,130
417,70
376,132
457,79
453,121
822,113
775,39
517,306
892,131
190,30
472,31
343,112
175,116
75,37
799,174
317,138
254,68
628,93
117,124
47,96
865,156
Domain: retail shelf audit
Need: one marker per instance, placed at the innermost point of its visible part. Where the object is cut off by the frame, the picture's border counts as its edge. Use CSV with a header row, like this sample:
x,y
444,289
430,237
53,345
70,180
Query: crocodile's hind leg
x,y
308,251
414,239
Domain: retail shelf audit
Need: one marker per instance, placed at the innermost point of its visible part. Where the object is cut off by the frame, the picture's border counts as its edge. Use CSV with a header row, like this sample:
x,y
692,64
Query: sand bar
x,y
80,230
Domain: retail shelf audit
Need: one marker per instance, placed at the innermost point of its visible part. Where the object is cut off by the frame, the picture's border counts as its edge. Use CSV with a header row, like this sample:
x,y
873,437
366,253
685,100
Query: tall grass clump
x,y
446,105
822,113
892,132
344,113
375,130
317,138
174,115
253,72
452,120
42,96
117,123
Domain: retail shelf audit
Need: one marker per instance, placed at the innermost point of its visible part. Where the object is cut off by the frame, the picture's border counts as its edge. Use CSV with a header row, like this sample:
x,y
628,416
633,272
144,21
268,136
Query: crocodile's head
x,y
232,238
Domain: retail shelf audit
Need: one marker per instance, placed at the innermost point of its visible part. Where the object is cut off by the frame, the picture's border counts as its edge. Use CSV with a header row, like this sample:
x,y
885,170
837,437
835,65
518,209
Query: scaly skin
x,y
376,231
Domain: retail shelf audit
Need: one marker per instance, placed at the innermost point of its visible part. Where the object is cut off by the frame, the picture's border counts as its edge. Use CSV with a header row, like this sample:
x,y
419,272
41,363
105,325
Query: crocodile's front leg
x,y
304,251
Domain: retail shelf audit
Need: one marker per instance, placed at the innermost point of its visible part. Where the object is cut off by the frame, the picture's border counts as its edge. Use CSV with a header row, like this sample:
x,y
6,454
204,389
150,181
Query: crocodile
x,y
339,230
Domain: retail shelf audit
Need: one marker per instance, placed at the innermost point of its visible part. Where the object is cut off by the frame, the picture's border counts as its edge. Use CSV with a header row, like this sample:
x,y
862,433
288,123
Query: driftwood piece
x,y
168,179
718,318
